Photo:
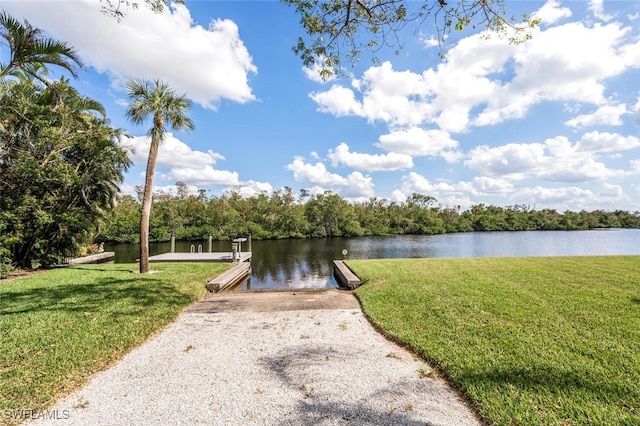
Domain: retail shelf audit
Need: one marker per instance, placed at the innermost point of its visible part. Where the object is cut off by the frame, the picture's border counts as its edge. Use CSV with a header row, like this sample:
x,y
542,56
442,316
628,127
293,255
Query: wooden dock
x,y
346,277
201,257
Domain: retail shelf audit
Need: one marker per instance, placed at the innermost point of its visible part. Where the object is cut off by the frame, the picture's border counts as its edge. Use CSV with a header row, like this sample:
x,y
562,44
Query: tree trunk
x,y
146,206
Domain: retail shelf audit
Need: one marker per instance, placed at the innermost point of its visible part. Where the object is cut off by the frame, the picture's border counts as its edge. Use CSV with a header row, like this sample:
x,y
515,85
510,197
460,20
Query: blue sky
x,y
551,123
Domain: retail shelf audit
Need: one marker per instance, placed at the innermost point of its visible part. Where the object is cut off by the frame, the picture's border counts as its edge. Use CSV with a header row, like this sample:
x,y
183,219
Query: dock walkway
x,y
200,257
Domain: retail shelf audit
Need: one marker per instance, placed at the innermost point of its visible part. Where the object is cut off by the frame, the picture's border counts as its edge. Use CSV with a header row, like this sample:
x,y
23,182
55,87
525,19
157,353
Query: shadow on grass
x,y
635,300
101,293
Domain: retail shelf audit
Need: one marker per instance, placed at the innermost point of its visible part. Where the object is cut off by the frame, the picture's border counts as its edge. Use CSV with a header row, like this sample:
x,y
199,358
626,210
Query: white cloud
x,y
447,194
204,176
551,12
488,185
611,191
338,100
398,196
555,196
315,174
359,187
429,41
606,142
173,189
177,161
597,8
172,152
355,187
250,188
484,82
508,160
207,64
420,142
368,162
608,115
555,160
574,198
564,63
415,182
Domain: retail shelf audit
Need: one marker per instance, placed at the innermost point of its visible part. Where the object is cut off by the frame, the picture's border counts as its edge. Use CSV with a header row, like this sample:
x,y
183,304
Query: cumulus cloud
x,y
354,187
608,115
606,142
172,152
207,64
177,161
369,162
359,187
513,160
574,198
414,182
420,142
555,160
552,12
315,174
488,185
173,189
250,188
485,82
397,196
205,176
338,100
555,196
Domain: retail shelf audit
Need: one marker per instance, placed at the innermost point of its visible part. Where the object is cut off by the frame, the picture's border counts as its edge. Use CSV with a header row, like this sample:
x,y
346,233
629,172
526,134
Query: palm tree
x,y
154,99
30,51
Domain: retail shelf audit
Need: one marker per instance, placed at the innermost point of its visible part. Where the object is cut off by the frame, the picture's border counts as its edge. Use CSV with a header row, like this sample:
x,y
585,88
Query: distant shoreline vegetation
x,y
282,215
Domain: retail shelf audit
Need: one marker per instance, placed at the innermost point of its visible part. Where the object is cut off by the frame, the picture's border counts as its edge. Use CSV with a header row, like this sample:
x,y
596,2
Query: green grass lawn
x,y
60,326
529,341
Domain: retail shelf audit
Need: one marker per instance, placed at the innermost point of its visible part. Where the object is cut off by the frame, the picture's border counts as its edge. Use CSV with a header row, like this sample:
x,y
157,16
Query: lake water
x,y
308,263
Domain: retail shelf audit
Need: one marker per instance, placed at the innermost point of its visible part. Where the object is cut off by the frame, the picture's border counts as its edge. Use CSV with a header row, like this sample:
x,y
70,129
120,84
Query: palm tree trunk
x,y
146,206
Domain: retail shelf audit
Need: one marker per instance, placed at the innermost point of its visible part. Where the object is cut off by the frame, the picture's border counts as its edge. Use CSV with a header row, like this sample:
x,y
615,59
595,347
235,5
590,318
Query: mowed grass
x,y
60,326
529,341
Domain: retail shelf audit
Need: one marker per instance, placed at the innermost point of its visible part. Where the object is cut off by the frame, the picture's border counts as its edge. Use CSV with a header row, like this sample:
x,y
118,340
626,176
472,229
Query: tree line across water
x,y
286,214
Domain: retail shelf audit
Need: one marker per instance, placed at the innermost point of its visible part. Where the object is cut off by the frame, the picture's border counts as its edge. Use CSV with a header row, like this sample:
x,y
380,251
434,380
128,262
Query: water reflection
x,y
309,263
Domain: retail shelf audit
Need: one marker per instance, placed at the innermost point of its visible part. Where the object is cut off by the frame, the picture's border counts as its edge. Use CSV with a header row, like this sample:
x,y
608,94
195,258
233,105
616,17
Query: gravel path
x,y
260,359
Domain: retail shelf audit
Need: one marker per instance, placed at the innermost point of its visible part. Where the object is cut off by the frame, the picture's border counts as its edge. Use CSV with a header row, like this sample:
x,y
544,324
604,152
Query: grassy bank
x,y
535,341
60,326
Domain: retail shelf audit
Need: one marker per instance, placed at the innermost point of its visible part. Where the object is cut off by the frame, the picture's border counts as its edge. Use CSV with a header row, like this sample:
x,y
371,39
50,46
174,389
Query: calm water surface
x,y
308,263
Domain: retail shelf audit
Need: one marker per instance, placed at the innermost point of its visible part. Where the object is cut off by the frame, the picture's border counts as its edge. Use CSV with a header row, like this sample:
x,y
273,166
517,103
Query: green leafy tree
x,y
330,215
159,102
59,170
343,29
